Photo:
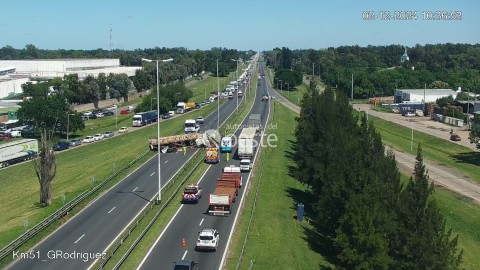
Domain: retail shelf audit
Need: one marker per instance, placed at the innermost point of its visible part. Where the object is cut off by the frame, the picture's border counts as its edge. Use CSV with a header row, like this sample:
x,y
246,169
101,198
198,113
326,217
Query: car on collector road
x,y
185,265
207,239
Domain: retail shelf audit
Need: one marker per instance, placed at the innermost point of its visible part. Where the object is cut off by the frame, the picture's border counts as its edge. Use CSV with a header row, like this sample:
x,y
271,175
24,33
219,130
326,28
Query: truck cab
x,y
191,126
226,146
181,106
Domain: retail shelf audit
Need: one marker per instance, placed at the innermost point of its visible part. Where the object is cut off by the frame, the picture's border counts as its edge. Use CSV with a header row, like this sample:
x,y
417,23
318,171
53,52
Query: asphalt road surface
x,y
191,218
90,232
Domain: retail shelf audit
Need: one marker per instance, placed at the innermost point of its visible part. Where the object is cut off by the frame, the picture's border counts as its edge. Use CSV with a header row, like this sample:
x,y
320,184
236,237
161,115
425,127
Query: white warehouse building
x,y
421,95
15,72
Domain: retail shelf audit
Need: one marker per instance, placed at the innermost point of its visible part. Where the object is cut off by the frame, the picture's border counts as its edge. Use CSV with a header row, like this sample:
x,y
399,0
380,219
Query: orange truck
x,y
211,156
220,202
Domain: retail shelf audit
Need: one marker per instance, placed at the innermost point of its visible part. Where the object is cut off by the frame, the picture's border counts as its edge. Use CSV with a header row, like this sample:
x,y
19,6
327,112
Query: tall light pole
x,y
218,100
68,123
159,198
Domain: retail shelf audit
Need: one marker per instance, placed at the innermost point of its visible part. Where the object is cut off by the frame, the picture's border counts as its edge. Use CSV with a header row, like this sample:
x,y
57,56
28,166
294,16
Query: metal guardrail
x,y
61,212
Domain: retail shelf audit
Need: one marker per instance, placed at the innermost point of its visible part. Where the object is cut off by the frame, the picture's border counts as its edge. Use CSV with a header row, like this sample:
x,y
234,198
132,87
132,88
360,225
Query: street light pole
x,y
159,198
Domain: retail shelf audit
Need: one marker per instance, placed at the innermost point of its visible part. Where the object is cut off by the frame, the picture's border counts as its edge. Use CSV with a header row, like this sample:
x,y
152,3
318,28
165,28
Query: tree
x,y
142,80
120,85
444,101
424,242
439,85
462,96
92,90
44,109
102,85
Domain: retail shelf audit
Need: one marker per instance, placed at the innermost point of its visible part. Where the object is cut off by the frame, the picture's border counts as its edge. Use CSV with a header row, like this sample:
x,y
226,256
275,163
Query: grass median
x,y
77,171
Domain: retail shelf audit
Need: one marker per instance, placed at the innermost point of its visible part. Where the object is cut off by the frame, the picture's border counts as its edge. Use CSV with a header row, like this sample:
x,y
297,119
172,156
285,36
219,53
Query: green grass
x,y
201,89
75,169
276,240
441,151
295,95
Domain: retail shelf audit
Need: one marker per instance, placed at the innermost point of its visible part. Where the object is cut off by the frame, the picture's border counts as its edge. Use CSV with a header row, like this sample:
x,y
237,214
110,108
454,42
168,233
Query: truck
x,y
144,118
234,174
211,156
191,194
226,146
240,93
255,121
247,143
191,126
183,107
245,165
172,142
17,151
221,200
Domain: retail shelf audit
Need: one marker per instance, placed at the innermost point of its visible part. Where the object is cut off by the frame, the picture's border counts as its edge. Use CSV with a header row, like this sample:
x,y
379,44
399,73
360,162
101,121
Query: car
x,y
409,114
130,108
87,114
99,115
108,134
455,137
208,239
88,139
265,98
75,142
124,112
203,103
185,265
108,113
172,113
200,120
98,137
113,107
92,116
84,118
197,105
123,130
166,115
59,146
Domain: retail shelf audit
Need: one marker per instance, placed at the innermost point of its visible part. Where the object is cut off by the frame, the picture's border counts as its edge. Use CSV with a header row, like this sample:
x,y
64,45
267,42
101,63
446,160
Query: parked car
x,y
200,120
455,137
108,134
185,265
208,239
113,107
108,113
75,142
84,118
124,112
130,108
197,105
87,114
166,115
123,130
99,115
203,103
88,139
59,146
98,137
92,116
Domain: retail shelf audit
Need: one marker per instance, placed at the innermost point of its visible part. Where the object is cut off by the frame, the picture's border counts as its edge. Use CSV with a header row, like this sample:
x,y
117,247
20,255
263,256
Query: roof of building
x,y
428,91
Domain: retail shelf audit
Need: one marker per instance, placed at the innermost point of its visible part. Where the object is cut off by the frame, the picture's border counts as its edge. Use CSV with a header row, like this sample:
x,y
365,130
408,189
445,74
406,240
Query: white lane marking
x,y
166,227
152,174
134,189
111,209
184,254
79,238
201,222
166,162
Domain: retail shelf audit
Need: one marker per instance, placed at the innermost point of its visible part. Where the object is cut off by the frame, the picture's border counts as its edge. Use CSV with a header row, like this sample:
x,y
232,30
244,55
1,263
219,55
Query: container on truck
x,y
191,126
144,118
226,146
17,151
183,107
220,202
255,121
247,143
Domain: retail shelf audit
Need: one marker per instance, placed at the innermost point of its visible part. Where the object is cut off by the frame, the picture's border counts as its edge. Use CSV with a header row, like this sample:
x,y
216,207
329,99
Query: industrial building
x,y
421,95
14,73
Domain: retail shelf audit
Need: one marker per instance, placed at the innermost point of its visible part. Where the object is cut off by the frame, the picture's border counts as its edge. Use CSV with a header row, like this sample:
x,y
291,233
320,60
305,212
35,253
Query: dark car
x,y
108,113
197,105
455,137
92,116
166,115
59,146
186,265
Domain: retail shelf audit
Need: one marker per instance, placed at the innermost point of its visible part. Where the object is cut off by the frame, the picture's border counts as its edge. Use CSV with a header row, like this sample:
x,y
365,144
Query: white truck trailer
x,y
17,151
247,143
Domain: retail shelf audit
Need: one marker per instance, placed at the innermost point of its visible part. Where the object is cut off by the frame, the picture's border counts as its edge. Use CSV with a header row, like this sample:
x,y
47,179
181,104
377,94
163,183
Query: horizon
x,y
246,25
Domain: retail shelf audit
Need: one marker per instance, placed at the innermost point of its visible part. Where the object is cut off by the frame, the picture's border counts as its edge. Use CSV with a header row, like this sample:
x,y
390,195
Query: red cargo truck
x,y
220,202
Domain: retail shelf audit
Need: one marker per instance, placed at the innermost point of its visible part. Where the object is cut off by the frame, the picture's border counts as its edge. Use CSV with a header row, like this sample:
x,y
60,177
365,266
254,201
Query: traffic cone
x,y
184,243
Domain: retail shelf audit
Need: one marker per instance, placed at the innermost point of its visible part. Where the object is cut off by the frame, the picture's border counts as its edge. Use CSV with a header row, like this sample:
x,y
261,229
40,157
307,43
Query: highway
x,y
95,228
190,219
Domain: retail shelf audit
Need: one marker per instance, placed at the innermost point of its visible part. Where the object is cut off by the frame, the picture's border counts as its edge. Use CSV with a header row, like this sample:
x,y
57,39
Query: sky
x,y
243,25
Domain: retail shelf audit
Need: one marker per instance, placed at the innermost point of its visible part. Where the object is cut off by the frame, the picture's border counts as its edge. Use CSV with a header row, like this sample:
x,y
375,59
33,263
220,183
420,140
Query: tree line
x,y
377,70
365,218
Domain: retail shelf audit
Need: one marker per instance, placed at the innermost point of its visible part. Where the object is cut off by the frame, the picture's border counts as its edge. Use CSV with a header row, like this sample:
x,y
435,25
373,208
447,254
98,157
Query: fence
x,y
15,244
